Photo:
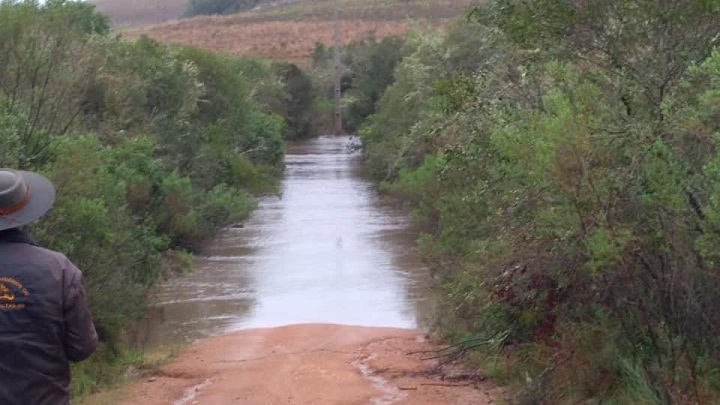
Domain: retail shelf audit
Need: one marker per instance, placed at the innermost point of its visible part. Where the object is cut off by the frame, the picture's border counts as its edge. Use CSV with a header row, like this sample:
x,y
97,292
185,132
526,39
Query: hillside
x,y
140,12
291,30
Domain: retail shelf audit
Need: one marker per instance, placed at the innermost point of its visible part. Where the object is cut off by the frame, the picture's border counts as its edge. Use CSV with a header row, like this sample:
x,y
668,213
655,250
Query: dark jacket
x,y
44,322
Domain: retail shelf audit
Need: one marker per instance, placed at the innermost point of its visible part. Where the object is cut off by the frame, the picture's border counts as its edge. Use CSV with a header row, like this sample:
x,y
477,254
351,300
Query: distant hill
x,y
289,30
138,13
141,12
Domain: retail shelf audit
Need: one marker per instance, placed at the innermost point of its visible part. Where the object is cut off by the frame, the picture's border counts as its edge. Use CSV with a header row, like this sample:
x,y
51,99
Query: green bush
x,y
562,160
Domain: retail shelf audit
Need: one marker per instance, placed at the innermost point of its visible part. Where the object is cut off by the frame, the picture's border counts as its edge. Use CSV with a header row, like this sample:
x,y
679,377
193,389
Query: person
x,y
44,319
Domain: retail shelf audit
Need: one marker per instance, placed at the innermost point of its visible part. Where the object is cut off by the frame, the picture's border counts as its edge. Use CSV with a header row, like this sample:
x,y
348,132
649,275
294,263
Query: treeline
x,y
152,148
212,7
562,159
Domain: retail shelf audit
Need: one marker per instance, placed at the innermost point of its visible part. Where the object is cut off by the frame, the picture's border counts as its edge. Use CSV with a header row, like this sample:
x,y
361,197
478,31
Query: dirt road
x,y
309,364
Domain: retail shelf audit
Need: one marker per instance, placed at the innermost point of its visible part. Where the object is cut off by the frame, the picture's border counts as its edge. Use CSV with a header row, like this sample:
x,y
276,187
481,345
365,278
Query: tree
x,y
370,74
46,68
299,101
649,43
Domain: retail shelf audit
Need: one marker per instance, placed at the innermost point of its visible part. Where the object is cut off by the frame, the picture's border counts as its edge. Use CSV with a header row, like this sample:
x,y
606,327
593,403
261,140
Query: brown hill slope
x,y
290,32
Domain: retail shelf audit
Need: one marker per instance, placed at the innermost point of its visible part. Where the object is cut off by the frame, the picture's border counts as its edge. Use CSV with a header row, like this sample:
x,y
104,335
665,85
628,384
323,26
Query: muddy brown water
x,y
329,249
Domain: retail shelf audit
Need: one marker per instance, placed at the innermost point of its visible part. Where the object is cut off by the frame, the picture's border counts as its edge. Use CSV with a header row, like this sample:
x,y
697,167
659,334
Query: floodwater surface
x,y
329,249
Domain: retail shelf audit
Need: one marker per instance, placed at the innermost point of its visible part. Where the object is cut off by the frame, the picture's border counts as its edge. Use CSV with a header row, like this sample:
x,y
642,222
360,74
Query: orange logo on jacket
x,y
7,296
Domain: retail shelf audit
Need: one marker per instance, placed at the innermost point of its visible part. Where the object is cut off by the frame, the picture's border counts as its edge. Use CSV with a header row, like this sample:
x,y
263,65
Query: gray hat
x,y
24,197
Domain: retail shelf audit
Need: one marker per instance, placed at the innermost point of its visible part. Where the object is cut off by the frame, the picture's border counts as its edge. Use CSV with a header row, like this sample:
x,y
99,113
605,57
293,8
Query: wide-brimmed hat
x,y
24,197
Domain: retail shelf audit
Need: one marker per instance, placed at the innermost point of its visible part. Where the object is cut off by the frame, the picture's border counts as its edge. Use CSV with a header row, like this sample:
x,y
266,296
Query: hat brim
x,y
42,197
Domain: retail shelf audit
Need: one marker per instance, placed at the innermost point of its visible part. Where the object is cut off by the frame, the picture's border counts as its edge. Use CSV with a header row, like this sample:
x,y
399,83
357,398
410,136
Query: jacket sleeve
x,y
81,339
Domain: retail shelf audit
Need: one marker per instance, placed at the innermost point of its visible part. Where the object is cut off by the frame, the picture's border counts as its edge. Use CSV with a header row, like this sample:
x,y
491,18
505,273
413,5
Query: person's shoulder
x,y
54,257
42,251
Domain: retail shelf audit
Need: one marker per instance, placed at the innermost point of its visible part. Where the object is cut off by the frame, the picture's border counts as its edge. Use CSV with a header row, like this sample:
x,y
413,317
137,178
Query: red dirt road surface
x,y
310,364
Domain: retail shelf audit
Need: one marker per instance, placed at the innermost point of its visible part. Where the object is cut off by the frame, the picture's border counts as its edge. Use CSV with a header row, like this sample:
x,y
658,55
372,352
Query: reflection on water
x,y
328,250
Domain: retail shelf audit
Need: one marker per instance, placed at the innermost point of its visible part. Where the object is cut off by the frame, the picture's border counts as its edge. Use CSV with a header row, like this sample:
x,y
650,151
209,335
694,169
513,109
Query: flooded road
x,y
328,250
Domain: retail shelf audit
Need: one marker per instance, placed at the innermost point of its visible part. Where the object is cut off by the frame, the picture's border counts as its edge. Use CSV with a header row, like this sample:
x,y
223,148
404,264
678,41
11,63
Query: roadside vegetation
x,y
561,158
152,148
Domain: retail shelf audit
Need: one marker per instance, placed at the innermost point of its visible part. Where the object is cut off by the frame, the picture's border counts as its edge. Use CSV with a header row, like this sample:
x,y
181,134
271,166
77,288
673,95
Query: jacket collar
x,y
16,236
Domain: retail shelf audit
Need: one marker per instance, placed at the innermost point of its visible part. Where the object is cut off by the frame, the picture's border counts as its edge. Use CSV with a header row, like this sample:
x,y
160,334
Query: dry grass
x,y
141,12
291,32
272,39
